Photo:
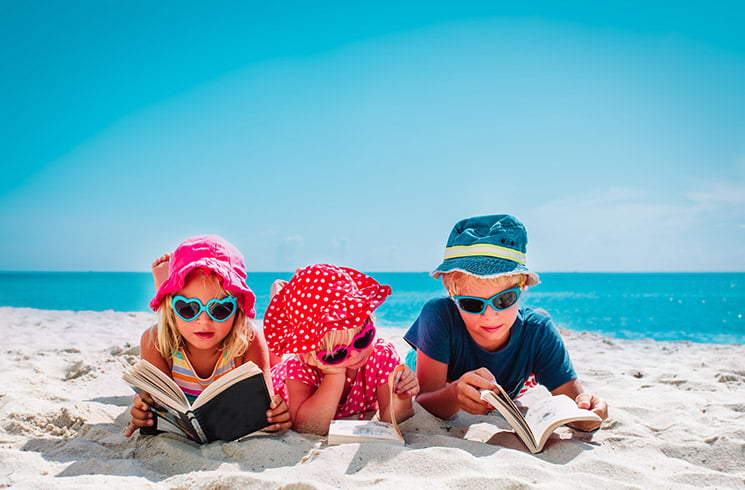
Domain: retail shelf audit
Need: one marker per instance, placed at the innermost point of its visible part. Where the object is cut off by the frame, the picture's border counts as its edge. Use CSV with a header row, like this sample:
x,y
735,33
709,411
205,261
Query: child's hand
x,y
140,412
327,369
278,414
405,384
468,387
595,404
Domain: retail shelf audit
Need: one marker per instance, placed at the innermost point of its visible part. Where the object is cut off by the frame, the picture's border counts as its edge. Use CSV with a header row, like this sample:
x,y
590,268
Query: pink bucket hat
x,y
317,300
212,253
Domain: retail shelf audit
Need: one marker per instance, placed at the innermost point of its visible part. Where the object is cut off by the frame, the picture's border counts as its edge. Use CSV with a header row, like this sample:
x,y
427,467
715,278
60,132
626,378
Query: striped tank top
x,y
187,379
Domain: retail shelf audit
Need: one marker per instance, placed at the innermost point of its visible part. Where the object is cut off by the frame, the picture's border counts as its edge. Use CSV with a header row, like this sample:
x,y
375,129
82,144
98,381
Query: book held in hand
x,y
543,414
341,431
231,407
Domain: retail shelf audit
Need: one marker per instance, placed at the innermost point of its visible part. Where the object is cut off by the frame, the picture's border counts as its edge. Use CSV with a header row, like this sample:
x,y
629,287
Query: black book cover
x,y
237,411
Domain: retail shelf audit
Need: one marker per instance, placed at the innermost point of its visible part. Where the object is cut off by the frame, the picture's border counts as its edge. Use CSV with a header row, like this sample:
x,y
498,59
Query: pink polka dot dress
x,y
362,395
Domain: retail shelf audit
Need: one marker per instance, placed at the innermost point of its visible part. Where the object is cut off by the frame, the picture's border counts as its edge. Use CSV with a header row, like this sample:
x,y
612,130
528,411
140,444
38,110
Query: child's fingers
x,y
468,395
277,416
395,377
278,427
481,378
406,385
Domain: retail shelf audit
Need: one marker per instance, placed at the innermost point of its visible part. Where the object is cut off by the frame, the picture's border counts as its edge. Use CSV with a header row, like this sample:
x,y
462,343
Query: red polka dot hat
x,y
319,299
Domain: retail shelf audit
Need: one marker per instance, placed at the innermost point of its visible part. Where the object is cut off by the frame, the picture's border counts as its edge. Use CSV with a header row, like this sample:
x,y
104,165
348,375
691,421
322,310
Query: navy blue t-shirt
x,y
534,346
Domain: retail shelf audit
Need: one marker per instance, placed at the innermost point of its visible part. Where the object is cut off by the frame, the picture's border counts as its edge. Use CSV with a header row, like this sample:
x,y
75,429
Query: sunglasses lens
x,y
186,310
221,311
364,342
471,305
505,300
333,358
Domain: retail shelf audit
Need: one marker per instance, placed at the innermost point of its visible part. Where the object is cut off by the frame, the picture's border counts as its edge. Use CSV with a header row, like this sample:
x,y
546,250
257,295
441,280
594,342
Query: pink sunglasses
x,y
361,341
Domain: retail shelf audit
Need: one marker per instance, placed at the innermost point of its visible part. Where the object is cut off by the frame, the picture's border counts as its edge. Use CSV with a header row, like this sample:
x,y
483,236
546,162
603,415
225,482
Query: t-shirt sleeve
x,y
553,366
430,332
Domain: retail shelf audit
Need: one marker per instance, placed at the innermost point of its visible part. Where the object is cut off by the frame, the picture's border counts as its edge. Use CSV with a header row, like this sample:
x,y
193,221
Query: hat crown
x,y
318,299
209,253
487,246
501,230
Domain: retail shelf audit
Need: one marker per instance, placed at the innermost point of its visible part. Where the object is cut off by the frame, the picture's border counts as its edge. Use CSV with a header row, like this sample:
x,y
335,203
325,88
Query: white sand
x,y
677,421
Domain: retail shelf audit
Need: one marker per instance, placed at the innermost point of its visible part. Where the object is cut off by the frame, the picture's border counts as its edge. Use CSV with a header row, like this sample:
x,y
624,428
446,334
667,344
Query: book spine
x,y
197,427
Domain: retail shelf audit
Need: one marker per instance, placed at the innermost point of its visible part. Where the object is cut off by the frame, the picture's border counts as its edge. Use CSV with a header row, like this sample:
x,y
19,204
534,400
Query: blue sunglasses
x,y
500,301
218,309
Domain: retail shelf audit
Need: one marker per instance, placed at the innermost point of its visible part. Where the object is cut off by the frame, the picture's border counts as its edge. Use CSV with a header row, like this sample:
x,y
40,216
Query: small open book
x,y
543,413
341,431
229,408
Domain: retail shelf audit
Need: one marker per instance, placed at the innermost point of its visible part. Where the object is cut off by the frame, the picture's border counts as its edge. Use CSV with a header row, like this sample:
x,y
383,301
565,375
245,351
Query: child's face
x,y
355,358
203,333
490,329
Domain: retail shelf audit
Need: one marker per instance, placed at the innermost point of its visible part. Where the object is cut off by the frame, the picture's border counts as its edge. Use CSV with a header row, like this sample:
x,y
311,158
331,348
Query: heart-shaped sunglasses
x,y
218,309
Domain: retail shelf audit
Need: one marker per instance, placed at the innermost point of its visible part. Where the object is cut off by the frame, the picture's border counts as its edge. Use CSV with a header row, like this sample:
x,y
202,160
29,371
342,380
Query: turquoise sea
x,y
700,307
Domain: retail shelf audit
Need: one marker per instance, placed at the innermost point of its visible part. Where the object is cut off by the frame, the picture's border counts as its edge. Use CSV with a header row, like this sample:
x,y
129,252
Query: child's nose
x,y
490,312
203,317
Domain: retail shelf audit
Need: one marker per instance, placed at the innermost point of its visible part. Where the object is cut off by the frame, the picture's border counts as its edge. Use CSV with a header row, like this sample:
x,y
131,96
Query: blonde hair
x,y
456,281
234,344
332,339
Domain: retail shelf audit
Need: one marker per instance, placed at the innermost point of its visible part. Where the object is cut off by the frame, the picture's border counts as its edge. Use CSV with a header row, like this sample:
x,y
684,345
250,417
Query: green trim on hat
x,y
485,250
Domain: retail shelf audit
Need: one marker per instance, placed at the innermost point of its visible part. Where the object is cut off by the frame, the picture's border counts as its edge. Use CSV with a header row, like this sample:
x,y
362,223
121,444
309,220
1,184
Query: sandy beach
x,y
677,420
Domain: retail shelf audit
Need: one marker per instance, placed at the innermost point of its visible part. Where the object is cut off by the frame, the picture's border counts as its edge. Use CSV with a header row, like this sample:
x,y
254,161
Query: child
x,y
324,317
203,329
479,336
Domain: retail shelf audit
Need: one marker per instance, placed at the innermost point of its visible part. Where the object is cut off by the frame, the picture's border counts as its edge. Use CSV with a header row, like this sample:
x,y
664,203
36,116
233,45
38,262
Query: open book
x,y
543,413
341,431
229,408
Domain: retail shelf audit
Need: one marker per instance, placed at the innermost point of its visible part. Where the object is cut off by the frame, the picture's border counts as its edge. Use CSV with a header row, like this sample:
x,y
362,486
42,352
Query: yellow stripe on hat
x,y
486,250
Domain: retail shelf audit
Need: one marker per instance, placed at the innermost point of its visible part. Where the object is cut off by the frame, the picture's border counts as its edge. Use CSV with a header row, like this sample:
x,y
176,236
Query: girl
x,y
324,317
203,329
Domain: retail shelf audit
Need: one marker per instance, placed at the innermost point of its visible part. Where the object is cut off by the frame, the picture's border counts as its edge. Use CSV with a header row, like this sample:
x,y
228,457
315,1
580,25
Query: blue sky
x,y
358,133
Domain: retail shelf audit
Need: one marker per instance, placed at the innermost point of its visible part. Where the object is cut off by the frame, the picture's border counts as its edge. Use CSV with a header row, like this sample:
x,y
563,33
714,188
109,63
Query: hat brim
x,y
231,282
486,268
280,330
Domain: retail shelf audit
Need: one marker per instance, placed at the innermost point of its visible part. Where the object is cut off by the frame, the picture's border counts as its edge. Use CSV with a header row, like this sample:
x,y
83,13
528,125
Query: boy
x,y
479,336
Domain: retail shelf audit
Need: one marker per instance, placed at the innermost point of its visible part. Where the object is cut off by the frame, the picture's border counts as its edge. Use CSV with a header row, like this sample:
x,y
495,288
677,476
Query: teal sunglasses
x,y
500,301
218,309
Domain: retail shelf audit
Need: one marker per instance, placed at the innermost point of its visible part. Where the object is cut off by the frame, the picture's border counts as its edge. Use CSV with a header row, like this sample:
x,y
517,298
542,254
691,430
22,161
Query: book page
x,y
341,431
547,414
505,406
243,371
173,421
146,377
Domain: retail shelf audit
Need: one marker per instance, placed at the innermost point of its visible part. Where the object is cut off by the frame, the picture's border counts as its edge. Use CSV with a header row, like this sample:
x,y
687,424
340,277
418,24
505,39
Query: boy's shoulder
x,y
534,314
537,316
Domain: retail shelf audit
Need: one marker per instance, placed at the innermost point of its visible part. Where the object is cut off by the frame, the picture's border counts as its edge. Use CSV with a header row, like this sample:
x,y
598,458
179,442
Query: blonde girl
x,y
204,329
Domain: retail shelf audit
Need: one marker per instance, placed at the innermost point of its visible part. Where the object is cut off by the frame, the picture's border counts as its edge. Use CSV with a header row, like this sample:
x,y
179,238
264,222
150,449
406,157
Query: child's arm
x,y
141,415
573,389
312,411
405,388
445,399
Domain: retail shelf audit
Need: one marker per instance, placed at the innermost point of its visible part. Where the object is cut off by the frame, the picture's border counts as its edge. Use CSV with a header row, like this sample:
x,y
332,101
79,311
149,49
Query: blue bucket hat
x,y
487,246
